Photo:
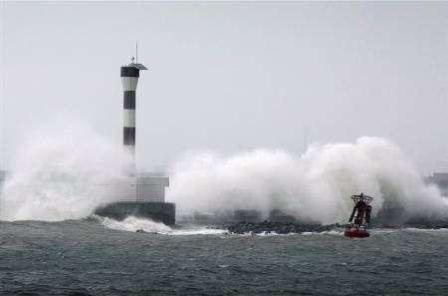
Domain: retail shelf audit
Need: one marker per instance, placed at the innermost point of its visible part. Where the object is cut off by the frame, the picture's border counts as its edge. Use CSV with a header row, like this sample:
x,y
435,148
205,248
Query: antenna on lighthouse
x,y
136,52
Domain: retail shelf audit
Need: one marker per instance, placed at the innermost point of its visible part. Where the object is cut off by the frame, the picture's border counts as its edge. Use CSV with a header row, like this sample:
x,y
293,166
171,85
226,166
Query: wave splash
x,y
59,175
61,172
313,186
135,224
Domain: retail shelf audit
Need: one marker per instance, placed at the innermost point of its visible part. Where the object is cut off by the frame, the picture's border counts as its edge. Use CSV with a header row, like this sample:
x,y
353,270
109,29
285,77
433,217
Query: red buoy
x,y
360,215
356,232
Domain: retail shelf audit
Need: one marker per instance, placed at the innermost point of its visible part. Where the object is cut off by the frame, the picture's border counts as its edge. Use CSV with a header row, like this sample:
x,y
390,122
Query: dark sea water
x,y
83,257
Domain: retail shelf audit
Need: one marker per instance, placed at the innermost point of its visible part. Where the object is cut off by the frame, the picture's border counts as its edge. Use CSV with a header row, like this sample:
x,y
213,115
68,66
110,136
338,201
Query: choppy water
x,y
84,257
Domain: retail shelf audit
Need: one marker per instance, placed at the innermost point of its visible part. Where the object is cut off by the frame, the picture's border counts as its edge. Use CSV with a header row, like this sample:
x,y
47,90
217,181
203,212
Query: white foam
x,y
316,185
380,231
61,172
266,233
328,232
56,172
273,233
198,231
134,224
411,229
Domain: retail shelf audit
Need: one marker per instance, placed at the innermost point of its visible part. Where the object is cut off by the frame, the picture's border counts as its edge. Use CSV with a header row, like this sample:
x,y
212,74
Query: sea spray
x,y
136,224
61,172
65,172
313,186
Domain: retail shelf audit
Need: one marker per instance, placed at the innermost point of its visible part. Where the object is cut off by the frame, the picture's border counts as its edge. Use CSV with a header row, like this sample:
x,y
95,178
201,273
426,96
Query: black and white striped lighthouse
x,y
143,194
129,80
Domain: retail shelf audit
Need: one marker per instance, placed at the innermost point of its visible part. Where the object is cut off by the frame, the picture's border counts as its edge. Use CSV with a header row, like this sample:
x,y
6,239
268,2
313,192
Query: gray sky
x,y
233,76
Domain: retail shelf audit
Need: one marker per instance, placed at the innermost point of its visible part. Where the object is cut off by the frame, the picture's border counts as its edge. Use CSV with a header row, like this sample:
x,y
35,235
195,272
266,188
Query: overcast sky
x,y
232,76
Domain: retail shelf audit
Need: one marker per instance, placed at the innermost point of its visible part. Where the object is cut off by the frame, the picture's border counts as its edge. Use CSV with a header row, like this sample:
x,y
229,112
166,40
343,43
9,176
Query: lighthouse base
x,y
164,212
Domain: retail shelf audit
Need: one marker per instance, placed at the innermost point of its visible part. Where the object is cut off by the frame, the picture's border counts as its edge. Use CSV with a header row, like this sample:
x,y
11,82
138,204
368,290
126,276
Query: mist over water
x,y
65,173
61,172
313,186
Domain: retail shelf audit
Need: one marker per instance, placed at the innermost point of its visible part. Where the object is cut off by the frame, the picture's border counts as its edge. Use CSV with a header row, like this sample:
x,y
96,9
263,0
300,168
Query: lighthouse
x,y
129,80
141,194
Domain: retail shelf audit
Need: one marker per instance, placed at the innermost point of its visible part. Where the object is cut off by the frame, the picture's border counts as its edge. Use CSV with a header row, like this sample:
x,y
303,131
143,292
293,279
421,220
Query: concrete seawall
x,y
164,212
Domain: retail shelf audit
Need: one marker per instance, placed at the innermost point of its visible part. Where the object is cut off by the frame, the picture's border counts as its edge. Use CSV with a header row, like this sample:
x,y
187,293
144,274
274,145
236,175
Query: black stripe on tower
x,y
130,72
129,100
129,136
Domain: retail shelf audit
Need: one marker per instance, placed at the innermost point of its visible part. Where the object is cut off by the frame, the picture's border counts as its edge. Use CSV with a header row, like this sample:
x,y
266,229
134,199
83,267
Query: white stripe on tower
x,y
129,118
129,83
